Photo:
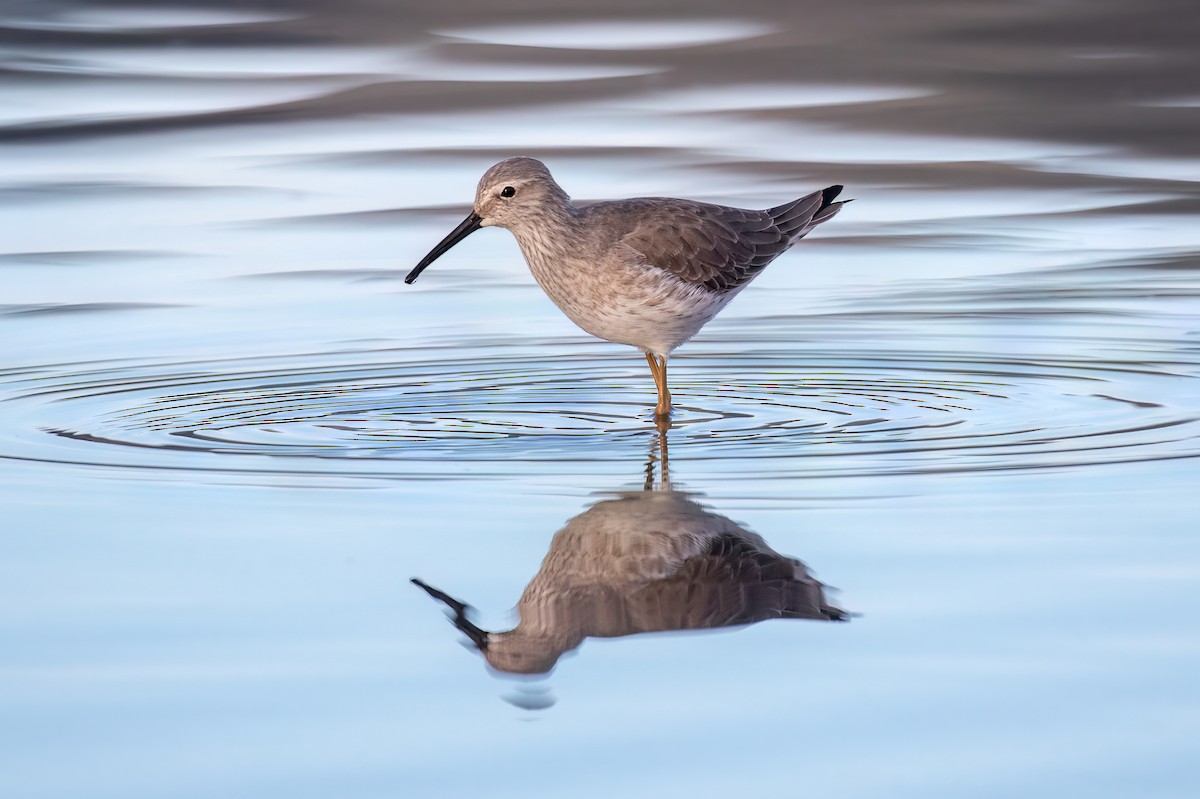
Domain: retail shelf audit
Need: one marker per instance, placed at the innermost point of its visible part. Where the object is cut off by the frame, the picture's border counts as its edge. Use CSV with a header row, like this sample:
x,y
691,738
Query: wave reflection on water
x,y
817,412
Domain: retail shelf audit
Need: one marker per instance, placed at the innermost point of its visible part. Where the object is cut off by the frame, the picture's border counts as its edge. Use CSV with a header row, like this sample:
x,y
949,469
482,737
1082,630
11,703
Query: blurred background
x,y
229,433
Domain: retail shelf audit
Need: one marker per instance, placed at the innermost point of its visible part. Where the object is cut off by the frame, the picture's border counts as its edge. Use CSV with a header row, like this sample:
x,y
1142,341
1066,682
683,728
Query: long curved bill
x,y
464,229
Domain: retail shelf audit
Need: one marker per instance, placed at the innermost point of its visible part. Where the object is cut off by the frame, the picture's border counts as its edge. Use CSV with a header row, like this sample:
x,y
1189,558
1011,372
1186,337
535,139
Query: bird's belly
x,y
655,317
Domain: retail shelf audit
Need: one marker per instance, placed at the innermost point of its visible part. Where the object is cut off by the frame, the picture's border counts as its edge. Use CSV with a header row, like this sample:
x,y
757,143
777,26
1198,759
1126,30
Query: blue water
x,y
230,435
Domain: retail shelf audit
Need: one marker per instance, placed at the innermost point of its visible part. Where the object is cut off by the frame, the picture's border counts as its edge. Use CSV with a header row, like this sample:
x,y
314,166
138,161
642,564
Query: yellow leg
x,y
658,368
663,408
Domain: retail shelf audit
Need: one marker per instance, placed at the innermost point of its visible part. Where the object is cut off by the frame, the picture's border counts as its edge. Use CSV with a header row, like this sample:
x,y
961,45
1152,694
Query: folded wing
x,y
717,247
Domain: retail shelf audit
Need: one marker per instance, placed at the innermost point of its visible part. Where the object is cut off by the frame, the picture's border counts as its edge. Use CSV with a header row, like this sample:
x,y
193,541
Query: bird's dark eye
x,y
507,191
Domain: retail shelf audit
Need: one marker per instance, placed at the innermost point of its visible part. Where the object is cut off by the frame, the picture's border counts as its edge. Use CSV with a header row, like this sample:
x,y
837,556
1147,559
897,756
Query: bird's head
x,y
515,191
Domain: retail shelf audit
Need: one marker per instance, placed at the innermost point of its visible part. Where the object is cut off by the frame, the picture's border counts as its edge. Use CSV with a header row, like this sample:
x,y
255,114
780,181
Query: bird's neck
x,y
549,232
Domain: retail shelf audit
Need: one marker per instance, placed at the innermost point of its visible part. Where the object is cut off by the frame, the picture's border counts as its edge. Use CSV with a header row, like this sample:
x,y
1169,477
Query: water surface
x,y
965,415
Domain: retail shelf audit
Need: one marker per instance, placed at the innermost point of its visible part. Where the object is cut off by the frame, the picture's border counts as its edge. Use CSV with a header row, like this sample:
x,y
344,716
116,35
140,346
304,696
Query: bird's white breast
x,y
615,297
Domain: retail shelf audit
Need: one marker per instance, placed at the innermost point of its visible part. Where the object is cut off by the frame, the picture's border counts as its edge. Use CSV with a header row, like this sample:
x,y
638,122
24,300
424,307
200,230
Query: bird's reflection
x,y
645,561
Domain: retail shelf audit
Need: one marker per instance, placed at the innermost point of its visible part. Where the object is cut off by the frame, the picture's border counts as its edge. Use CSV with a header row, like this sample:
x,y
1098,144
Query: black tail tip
x,y
829,195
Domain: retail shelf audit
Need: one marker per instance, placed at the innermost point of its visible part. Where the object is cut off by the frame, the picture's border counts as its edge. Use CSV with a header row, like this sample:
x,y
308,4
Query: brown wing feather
x,y
714,246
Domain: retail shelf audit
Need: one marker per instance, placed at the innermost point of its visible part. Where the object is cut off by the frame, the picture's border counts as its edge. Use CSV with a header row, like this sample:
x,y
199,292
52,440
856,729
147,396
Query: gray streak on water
x,y
229,435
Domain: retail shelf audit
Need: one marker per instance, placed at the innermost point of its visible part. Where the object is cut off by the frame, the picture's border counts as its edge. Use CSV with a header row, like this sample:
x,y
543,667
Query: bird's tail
x,y
800,216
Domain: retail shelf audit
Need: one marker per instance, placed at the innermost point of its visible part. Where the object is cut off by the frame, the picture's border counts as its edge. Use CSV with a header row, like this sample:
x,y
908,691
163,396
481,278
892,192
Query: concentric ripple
x,y
404,412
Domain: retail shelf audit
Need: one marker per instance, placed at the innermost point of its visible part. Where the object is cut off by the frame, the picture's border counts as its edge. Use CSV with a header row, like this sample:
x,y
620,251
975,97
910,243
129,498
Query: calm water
x,y
931,484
